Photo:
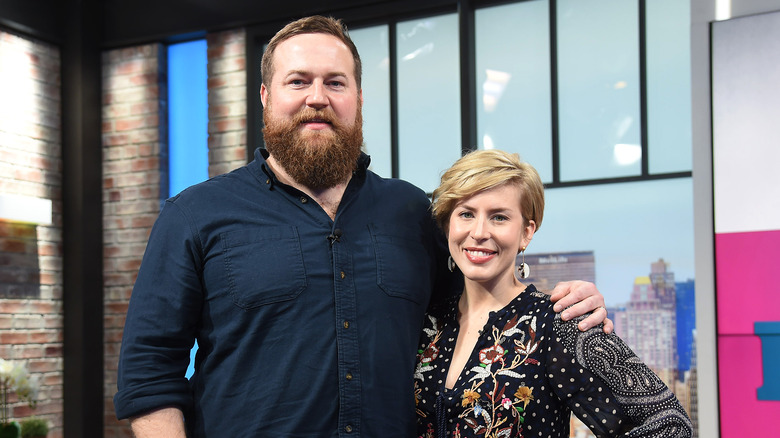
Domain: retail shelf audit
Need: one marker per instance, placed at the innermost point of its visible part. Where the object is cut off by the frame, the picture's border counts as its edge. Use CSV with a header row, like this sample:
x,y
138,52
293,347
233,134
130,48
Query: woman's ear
x,y
528,233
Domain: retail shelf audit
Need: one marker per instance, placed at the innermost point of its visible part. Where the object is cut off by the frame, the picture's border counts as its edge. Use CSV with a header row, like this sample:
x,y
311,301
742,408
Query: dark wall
x,y
141,21
39,18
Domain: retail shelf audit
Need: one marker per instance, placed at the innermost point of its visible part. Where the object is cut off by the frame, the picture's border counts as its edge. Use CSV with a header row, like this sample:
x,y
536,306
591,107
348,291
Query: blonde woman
x,y
497,361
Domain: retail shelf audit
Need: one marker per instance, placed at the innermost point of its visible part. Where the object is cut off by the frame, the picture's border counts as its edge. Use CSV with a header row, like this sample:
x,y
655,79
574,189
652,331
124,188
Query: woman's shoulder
x,y
533,297
443,308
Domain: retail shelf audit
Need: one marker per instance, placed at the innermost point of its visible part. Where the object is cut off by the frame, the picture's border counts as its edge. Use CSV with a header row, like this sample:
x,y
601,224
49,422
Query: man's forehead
x,y
304,52
316,41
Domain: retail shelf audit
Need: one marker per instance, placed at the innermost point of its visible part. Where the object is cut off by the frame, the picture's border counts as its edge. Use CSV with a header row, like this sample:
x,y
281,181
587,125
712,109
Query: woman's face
x,y
486,232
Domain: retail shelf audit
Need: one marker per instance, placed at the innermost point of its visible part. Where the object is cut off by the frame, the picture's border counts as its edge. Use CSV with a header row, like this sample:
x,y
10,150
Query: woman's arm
x,y
610,389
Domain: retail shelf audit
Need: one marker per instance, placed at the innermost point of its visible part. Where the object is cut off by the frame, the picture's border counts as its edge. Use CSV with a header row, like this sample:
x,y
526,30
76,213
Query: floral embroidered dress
x,y
529,371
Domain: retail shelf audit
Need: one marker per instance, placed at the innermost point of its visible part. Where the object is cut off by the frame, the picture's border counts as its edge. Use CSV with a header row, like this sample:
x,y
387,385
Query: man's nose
x,y
317,97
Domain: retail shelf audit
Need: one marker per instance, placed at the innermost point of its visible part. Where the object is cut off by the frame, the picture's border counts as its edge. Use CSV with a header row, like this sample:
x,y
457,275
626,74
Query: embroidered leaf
x,y
512,332
504,433
510,373
510,324
500,394
481,372
532,361
486,416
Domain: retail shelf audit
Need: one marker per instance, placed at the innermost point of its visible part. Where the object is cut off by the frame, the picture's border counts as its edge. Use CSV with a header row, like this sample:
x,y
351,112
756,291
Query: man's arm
x,y
583,297
162,423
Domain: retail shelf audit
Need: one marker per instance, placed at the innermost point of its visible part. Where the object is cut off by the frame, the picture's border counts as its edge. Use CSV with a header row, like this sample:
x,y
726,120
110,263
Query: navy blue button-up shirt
x,y
306,326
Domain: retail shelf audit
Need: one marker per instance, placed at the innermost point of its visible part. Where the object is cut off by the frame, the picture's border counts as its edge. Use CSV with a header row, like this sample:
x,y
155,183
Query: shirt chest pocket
x,y
263,266
402,262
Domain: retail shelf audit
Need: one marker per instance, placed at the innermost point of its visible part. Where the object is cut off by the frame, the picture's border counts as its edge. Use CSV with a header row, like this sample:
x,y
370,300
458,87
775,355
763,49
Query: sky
x,y
628,226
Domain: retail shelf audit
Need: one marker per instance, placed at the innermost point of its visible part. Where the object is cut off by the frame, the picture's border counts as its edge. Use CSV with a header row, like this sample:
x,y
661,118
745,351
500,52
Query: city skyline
x,y
627,226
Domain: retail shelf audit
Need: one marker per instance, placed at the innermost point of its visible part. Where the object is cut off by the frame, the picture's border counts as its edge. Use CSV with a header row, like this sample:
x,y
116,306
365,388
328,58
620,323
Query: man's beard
x,y
316,159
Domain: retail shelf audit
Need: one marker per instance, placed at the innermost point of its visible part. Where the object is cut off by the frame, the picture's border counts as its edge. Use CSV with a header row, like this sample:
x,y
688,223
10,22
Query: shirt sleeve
x,y
609,388
162,319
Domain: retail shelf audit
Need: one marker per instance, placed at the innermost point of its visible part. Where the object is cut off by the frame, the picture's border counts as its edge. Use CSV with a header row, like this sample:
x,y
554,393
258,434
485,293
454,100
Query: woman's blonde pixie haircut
x,y
483,170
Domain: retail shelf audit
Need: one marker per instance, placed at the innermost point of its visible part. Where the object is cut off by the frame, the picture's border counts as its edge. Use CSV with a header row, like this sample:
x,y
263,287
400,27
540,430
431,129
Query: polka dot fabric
x,y
529,371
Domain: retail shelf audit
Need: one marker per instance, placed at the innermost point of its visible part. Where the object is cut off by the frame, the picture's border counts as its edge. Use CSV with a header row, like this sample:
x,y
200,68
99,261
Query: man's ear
x,y
264,95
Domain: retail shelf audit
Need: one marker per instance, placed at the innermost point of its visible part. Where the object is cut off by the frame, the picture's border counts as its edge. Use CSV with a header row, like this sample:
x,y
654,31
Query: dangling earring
x,y
451,264
523,270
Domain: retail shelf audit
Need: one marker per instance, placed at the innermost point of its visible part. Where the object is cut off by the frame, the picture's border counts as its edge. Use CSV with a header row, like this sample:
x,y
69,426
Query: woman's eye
x,y
466,214
500,218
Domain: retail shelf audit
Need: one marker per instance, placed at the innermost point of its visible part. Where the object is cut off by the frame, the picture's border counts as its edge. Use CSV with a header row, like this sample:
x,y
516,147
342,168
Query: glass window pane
x,y
636,240
668,85
188,150
513,81
372,45
598,84
428,98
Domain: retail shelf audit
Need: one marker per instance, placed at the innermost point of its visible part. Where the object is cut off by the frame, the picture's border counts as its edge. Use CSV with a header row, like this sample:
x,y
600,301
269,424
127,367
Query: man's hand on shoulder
x,y
583,297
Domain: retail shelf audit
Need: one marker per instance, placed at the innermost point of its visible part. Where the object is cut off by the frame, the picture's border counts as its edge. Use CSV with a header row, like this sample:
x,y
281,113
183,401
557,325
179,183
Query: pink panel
x,y
742,415
748,291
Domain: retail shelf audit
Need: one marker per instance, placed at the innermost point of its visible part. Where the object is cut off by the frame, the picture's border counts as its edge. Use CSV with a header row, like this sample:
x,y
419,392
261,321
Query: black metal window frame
x,y
366,17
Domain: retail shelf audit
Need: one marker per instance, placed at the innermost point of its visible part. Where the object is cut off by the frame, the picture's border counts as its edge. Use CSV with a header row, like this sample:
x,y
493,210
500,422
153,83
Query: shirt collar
x,y
261,155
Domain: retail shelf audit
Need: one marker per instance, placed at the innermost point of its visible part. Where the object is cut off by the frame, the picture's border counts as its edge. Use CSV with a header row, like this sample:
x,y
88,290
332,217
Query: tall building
x,y
663,284
686,324
549,269
649,322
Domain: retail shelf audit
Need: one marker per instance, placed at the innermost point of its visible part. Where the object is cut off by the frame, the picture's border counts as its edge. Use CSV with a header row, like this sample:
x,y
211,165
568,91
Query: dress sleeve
x,y
162,319
609,388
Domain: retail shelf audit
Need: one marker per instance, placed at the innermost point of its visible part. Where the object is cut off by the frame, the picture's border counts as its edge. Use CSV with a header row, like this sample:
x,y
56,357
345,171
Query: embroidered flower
x,y
469,398
491,354
506,403
524,395
477,410
429,355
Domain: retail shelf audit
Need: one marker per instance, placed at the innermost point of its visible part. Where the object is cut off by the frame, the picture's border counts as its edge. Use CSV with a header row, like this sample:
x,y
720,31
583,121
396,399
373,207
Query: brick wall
x,y
135,165
227,100
31,255
135,180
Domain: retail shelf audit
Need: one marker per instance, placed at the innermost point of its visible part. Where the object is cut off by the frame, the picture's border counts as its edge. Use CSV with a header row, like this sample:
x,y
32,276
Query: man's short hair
x,y
306,25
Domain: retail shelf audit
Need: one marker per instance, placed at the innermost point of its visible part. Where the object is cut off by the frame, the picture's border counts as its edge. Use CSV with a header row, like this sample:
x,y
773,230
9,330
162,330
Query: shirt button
x,y
304,200
343,275
348,428
349,376
346,324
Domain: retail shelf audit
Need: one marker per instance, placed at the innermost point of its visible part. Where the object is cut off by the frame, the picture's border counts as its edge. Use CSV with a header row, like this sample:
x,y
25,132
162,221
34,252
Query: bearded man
x,y
303,276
